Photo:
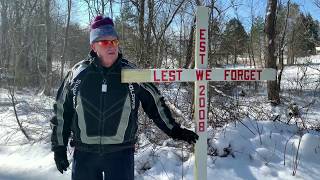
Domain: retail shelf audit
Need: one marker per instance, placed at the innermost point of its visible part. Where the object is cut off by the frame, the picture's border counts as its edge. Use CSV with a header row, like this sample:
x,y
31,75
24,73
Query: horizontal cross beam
x,y
189,75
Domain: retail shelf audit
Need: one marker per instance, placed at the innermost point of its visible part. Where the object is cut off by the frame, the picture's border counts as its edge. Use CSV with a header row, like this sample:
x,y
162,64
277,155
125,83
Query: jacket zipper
x,y
104,89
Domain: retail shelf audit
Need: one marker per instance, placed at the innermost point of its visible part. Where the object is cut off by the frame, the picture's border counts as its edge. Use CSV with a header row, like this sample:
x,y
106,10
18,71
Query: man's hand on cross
x,y
184,134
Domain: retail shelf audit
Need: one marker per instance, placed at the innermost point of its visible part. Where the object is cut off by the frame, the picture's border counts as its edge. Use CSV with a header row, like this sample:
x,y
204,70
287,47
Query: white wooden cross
x,y
200,75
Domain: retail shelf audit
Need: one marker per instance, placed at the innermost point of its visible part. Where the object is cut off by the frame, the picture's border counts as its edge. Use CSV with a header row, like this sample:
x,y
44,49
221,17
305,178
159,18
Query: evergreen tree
x,y
126,26
311,34
234,40
306,36
257,37
291,30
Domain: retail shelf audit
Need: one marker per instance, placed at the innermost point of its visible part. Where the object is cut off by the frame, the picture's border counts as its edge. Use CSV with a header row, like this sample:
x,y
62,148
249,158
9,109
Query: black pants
x,y
116,165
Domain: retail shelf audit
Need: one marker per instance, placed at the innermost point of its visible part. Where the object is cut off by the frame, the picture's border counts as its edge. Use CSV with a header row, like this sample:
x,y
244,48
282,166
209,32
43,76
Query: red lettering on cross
x,y
226,73
201,126
208,72
179,74
155,76
202,35
199,75
163,75
202,109
202,58
202,46
242,74
202,102
233,75
252,75
202,114
172,75
202,88
246,75
167,75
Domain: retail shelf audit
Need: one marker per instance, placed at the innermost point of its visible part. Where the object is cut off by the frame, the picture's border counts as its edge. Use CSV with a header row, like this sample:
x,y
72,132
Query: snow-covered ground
x,y
252,149
247,156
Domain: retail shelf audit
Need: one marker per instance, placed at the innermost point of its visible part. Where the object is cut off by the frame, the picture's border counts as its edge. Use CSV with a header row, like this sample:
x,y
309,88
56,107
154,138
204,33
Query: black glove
x,y
184,134
62,163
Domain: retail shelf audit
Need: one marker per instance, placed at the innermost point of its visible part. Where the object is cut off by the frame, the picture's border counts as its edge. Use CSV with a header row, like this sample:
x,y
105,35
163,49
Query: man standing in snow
x,y
102,113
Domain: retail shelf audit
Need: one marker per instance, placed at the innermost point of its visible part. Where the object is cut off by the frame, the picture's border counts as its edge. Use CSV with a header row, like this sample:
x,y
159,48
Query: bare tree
x,y
4,48
65,42
48,49
151,33
141,31
13,102
317,3
19,48
251,44
282,45
190,41
102,6
150,24
271,62
32,38
163,30
96,7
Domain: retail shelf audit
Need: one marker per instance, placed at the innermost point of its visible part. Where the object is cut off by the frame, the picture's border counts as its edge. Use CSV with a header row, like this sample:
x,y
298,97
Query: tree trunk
x,y
65,40
111,9
235,54
141,60
270,30
149,26
261,51
292,56
4,61
190,46
19,51
282,46
180,41
47,90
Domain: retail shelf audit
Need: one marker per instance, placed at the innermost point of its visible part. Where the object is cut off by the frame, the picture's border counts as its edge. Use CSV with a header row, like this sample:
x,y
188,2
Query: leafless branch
x,y
13,101
317,3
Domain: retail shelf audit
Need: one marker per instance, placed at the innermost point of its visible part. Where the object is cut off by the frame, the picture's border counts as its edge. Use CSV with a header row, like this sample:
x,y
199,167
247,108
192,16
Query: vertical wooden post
x,y
201,109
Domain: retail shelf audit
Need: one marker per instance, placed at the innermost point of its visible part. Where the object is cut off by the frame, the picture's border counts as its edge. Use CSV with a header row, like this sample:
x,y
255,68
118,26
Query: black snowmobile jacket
x,y
100,111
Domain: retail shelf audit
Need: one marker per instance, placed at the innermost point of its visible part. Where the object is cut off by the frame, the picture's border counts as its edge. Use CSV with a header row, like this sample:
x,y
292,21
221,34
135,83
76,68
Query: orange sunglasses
x,y
106,43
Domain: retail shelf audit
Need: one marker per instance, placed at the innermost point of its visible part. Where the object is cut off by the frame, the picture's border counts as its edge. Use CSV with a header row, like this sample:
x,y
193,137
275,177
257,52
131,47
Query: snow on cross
x,y
200,75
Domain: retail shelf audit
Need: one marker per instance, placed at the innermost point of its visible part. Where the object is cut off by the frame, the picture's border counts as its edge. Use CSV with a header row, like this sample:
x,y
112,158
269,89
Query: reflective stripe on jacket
x,y
100,111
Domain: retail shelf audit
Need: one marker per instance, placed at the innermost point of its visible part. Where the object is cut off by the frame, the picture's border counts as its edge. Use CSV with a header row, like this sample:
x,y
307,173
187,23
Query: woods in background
x,y
40,40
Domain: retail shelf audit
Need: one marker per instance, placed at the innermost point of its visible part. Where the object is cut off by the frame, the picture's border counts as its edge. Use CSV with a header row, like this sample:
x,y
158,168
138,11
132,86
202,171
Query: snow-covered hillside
x,y
249,149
